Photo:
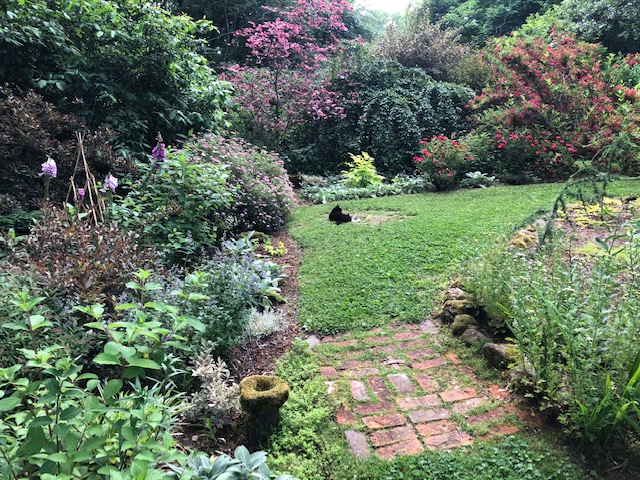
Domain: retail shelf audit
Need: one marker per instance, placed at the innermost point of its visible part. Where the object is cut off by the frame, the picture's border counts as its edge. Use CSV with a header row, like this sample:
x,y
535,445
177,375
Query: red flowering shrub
x,y
549,105
444,160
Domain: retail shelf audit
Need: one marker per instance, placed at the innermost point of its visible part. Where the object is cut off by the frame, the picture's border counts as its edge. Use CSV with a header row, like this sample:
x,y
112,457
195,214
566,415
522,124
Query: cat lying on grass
x,y
337,216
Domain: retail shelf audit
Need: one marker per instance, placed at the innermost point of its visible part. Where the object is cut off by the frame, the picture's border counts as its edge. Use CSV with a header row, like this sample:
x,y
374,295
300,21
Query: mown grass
x,y
355,276
358,275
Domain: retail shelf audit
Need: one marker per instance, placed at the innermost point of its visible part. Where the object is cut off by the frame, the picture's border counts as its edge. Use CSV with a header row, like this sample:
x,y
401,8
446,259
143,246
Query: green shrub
x,y
391,108
176,206
140,73
262,193
581,353
243,465
362,172
70,423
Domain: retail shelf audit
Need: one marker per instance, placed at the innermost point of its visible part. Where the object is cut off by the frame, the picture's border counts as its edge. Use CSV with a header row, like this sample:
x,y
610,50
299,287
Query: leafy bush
x,y
604,21
218,395
262,193
444,161
477,179
140,73
176,206
362,172
125,425
283,82
83,262
230,285
581,354
242,466
417,42
549,105
389,109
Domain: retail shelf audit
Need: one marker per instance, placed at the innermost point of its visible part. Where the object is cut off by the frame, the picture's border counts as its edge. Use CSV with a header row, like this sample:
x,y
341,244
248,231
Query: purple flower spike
x,y
49,168
158,154
110,182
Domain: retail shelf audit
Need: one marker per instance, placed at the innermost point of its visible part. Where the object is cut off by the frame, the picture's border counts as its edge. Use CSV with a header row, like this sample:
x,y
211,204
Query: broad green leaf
x,y
106,359
112,387
9,403
70,412
41,421
15,326
143,363
34,441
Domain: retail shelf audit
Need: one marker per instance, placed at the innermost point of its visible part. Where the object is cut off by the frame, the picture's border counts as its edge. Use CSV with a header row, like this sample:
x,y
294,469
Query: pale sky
x,y
391,6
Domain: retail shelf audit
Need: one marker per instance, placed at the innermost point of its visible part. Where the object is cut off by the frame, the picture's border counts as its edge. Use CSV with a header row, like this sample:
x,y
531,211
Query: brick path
x,y
401,392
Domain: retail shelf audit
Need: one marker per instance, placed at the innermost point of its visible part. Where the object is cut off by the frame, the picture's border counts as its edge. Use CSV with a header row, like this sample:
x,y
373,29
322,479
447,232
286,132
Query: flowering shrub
x,y
262,193
549,104
177,207
444,160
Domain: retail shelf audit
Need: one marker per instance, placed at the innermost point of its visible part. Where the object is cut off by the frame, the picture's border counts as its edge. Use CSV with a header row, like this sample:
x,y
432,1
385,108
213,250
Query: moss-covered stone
x,y
524,239
262,394
461,322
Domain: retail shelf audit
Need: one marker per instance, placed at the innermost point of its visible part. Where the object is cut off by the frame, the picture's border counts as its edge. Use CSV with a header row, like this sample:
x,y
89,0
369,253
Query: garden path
x,y
400,391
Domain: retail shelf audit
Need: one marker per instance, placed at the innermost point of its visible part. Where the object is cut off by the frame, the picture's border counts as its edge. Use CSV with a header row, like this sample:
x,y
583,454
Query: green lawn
x,y
359,275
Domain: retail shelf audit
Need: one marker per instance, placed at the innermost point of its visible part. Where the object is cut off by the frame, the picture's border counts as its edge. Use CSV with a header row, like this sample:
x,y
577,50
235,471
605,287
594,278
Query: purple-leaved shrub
x,y
263,195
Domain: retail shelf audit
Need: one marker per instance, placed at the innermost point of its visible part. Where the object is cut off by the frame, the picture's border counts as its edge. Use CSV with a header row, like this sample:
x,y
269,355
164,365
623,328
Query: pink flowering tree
x,y
283,82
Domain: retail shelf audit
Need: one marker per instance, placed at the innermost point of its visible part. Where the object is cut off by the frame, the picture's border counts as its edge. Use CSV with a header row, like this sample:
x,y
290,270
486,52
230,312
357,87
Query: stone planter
x,y
261,397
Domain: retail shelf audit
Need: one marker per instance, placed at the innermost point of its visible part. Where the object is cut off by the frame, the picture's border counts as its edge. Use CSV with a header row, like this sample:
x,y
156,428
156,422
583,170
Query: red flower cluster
x,y
444,160
555,101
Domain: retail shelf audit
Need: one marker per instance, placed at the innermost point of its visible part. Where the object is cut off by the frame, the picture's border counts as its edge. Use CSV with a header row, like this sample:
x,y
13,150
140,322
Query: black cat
x,y
337,216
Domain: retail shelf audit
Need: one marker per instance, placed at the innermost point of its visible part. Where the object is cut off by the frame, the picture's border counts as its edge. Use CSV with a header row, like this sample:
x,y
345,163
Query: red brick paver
x,y
411,393
384,421
381,438
409,447
411,403
427,364
457,395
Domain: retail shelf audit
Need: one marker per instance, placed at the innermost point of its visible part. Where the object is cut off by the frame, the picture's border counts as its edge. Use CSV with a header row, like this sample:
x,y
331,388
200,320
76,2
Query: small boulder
x,y
472,336
457,307
461,322
500,355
